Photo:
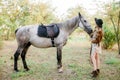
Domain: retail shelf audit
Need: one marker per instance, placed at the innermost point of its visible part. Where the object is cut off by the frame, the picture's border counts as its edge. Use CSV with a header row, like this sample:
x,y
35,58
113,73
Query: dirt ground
x,y
42,63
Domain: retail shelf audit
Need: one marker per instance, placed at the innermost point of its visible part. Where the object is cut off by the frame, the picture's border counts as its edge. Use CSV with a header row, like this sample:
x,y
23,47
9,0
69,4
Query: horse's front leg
x,y
59,58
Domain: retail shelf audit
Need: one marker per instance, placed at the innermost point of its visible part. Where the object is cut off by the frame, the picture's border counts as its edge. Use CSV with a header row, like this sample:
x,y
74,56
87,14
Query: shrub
x,y
109,37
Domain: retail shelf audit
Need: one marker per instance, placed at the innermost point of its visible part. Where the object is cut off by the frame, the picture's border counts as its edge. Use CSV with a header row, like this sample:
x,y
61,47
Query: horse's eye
x,y
85,21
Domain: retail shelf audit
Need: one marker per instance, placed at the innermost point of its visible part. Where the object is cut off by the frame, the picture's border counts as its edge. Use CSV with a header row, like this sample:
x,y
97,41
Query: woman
x,y
96,47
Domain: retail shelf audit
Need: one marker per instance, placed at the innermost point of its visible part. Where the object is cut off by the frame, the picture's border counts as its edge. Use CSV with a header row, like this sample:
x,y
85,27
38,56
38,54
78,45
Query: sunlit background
x,y
62,6
76,53
17,13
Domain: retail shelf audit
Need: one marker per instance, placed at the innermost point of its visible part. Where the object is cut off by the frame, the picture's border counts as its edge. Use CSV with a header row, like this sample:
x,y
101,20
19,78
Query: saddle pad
x,y
42,31
48,31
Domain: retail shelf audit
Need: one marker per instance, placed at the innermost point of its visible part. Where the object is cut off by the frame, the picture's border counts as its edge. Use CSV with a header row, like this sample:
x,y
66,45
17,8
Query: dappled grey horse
x,y
52,35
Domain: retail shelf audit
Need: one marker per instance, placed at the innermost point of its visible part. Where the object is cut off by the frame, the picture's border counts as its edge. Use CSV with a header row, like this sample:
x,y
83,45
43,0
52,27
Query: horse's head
x,y
84,24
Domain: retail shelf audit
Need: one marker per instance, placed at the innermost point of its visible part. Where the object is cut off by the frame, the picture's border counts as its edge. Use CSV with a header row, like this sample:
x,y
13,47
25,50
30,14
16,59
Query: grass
x,y
43,63
112,60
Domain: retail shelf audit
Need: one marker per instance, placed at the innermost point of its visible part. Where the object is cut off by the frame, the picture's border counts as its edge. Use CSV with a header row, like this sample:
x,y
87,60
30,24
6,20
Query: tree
x,y
15,13
111,9
74,11
117,31
111,12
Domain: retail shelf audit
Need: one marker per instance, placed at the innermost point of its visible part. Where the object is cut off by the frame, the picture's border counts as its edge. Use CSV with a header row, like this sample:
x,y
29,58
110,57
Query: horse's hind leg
x,y
16,55
24,54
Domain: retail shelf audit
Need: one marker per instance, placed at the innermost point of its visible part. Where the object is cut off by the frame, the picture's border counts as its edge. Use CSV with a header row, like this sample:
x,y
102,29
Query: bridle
x,y
82,23
84,26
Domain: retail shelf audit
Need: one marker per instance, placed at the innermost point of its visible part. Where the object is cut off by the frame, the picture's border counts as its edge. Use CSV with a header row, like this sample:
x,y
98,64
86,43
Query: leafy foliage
x,y
111,11
17,13
109,37
74,11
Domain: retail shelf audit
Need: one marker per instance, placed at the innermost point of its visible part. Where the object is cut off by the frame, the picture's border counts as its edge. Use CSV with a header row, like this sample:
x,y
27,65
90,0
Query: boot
x,y
95,73
92,72
98,70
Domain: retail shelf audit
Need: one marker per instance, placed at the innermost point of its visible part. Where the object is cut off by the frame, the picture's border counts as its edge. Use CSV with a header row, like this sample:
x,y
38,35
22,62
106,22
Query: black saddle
x,y
50,31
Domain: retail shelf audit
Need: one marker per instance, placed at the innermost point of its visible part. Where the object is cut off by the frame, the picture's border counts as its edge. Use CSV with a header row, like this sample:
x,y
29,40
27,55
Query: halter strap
x,y
81,21
52,40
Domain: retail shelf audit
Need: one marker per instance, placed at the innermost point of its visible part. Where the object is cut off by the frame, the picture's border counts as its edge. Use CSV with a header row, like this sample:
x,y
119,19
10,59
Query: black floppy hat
x,y
99,22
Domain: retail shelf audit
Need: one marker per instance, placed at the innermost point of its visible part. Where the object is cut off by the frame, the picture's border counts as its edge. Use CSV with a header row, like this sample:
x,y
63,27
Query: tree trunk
x,y
117,31
118,47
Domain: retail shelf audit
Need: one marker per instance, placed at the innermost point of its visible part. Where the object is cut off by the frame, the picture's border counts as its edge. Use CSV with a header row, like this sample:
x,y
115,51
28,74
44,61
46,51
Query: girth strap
x,y
52,41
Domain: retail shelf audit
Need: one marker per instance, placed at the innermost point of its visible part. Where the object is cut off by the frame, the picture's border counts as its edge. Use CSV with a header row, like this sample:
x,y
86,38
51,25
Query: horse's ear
x,y
42,24
95,19
79,14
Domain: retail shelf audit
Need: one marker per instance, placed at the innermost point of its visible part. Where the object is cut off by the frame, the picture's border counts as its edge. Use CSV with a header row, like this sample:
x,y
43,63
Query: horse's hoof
x,y
60,70
59,66
27,69
16,70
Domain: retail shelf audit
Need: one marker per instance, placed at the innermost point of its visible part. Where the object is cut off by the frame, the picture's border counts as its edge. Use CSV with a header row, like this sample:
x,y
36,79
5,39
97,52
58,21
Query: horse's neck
x,y
70,25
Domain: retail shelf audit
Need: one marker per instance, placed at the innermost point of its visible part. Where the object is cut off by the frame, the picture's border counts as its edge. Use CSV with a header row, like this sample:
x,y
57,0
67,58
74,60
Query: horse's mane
x,y
68,23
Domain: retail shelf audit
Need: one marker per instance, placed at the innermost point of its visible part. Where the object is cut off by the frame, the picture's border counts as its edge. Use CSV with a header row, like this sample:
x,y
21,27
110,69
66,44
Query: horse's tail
x,y
16,30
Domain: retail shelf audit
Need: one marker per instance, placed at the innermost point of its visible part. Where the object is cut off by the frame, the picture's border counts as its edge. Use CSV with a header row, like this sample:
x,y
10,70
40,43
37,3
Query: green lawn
x,y
42,63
